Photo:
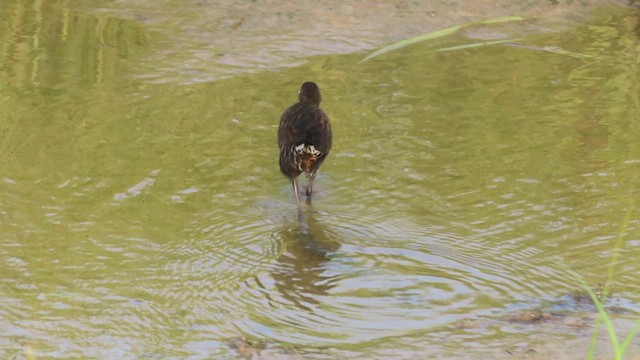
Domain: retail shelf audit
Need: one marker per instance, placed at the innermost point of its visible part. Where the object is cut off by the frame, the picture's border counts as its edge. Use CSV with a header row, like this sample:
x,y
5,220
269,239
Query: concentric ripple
x,y
361,278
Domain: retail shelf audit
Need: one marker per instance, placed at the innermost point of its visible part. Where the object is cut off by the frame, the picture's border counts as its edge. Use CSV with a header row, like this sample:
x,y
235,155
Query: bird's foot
x,y
308,191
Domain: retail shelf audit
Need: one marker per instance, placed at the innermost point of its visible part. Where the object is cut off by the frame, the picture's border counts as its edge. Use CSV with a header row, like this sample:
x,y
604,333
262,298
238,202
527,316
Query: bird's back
x,y
304,138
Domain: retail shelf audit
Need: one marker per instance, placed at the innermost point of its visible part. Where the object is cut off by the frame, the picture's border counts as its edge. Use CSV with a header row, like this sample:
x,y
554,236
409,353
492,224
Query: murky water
x,y
148,219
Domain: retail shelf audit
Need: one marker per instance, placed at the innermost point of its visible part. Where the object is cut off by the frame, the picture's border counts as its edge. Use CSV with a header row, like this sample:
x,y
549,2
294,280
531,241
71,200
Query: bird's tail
x,y
307,162
307,154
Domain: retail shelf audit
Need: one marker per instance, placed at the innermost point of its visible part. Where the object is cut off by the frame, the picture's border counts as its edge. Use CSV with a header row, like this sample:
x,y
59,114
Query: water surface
x,y
148,219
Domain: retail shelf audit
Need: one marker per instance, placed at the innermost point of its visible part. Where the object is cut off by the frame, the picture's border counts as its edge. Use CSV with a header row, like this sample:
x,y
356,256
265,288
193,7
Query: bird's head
x,y
309,92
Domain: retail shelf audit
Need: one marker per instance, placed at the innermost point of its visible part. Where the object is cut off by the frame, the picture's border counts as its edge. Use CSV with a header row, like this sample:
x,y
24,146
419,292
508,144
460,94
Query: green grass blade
x,y
603,317
594,340
498,20
561,51
610,329
619,349
620,237
473,45
413,40
551,49
629,338
437,34
596,328
28,352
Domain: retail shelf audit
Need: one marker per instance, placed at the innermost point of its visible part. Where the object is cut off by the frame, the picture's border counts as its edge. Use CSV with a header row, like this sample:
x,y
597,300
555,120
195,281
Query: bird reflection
x,y
302,274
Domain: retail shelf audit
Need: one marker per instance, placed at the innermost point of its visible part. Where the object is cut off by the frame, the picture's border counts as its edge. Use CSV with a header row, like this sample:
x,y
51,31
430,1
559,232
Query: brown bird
x,y
304,138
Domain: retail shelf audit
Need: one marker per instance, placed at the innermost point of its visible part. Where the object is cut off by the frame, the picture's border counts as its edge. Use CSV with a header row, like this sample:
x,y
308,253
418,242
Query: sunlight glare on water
x,y
146,219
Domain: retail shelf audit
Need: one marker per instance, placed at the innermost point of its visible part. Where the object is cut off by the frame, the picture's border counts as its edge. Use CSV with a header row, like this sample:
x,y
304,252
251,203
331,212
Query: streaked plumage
x,y
304,137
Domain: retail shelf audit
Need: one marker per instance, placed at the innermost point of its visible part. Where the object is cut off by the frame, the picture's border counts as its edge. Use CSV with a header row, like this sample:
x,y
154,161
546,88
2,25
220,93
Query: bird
x,y
304,138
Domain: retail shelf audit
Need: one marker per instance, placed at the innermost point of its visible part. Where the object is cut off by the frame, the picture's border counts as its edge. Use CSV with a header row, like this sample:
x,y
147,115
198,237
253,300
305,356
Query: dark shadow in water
x,y
302,274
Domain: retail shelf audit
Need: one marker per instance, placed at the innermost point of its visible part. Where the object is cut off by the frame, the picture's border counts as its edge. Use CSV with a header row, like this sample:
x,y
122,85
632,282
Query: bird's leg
x,y
301,223
310,186
295,191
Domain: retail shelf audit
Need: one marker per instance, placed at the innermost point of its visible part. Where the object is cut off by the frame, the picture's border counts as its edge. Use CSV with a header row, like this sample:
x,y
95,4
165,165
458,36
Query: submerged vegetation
x,y
441,33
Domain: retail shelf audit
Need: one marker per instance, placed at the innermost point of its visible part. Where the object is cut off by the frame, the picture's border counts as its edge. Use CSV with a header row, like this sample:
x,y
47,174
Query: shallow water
x,y
148,219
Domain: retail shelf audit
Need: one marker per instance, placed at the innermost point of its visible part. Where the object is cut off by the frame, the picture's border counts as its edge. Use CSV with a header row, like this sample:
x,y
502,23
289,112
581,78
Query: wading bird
x,y
304,138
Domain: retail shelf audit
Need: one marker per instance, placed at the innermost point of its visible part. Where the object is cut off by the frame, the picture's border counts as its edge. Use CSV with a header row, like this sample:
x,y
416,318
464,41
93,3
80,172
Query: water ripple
x,y
357,278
